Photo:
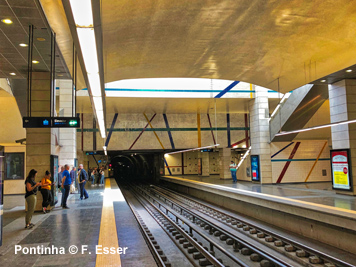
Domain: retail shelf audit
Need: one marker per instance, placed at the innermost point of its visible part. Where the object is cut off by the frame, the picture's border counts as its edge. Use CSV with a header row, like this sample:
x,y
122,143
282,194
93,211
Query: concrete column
x,y
259,131
205,163
342,97
224,162
67,136
40,143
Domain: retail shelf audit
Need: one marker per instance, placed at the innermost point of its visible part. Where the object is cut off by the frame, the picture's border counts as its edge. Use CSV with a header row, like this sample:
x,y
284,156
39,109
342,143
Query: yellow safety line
x,y
108,236
199,130
321,151
251,90
153,130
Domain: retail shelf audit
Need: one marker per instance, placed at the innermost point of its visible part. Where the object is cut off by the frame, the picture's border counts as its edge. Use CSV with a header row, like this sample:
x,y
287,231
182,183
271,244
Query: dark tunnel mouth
x,y
132,166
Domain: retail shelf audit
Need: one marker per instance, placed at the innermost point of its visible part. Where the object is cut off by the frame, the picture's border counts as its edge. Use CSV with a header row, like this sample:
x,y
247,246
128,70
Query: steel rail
x,y
246,244
151,246
275,235
200,248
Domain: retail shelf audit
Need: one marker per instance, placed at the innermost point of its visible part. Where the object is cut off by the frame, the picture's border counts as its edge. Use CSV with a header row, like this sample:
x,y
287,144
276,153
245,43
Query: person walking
x,y
31,188
83,177
66,182
102,178
233,171
46,192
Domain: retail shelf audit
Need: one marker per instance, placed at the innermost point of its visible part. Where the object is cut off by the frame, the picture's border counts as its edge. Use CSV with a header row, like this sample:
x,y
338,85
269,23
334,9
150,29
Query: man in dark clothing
x,y
83,177
66,182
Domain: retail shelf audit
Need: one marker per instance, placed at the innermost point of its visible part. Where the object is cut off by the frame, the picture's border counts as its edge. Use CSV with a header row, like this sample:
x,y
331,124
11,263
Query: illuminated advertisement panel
x,y
341,169
255,167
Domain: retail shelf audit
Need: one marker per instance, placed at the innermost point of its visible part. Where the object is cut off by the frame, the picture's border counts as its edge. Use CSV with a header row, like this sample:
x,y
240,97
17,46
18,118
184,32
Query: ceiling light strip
x,y
192,149
316,127
243,158
83,17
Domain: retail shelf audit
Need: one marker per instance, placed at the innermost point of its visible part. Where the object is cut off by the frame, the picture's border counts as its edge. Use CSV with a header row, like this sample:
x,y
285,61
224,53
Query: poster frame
x,y
7,154
347,150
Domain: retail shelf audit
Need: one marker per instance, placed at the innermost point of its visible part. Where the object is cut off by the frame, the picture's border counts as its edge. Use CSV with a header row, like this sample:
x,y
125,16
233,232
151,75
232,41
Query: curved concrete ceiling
x,y
297,41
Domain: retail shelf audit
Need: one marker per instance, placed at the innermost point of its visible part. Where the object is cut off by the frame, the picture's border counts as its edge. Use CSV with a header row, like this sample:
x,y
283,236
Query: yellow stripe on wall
x,y
108,236
154,131
321,151
199,131
251,90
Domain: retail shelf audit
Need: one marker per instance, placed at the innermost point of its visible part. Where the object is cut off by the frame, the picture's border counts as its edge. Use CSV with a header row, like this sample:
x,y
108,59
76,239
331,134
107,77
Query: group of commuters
x,y
97,176
65,180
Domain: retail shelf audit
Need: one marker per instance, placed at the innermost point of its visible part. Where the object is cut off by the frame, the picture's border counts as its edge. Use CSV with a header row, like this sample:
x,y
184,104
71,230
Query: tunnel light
x,y
316,127
80,10
192,149
7,21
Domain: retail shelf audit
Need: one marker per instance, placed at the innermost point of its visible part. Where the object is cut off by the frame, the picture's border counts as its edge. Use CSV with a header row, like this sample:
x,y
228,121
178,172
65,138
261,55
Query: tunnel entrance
x,y
134,166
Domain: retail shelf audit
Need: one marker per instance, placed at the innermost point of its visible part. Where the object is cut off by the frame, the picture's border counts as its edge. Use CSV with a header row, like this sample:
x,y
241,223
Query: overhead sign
x,y
341,169
91,153
207,150
51,122
255,167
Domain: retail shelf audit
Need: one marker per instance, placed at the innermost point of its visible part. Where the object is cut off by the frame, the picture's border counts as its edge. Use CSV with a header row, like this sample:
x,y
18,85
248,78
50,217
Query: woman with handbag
x,y
31,199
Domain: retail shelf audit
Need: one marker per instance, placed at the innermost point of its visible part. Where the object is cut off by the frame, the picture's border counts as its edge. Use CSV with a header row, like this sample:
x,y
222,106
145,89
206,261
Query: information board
x,y
341,169
255,168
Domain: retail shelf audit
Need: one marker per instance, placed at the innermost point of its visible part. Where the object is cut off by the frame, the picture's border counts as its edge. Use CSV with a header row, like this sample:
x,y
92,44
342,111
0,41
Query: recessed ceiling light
x,y
60,75
323,81
7,21
41,39
35,62
12,73
23,45
348,70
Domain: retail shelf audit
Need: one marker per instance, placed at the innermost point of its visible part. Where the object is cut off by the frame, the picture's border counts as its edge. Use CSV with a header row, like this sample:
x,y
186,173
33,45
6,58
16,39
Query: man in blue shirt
x,y
66,182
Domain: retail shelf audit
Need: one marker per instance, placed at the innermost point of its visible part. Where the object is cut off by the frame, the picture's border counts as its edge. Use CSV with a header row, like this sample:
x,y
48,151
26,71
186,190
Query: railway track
x,y
209,236
296,251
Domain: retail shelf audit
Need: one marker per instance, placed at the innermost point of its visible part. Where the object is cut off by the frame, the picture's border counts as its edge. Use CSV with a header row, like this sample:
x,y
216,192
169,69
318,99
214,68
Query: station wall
x,y
183,129
300,168
190,160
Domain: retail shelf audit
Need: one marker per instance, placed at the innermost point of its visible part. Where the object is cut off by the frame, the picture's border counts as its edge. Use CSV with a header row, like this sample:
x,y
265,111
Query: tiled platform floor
x,y
79,225
319,193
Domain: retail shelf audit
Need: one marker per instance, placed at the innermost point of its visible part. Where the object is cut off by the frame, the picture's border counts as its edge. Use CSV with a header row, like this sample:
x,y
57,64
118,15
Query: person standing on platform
x,y
60,177
31,199
92,177
66,182
46,192
83,177
233,171
102,177
73,175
